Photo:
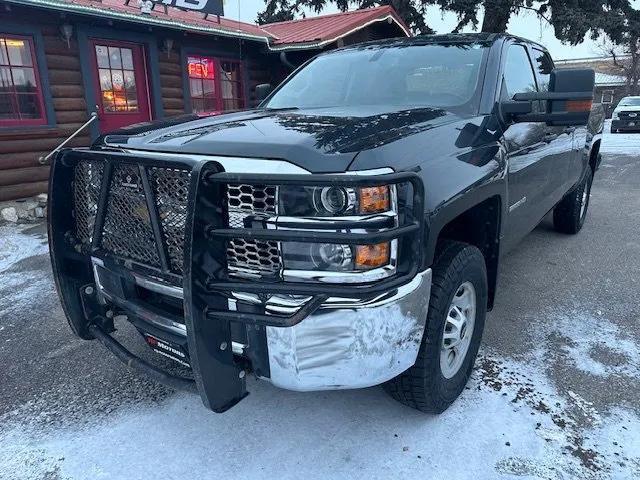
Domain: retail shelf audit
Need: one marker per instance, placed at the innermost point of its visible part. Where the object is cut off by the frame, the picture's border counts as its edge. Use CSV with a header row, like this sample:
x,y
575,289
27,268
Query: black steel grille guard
x,y
206,284
413,228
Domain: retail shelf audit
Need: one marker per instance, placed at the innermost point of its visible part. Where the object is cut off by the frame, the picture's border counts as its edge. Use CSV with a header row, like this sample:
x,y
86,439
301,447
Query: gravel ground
x,y
554,394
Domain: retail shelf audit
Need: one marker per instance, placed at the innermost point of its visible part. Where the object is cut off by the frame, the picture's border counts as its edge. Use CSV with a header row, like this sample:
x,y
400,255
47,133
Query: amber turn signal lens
x,y
372,256
374,199
578,105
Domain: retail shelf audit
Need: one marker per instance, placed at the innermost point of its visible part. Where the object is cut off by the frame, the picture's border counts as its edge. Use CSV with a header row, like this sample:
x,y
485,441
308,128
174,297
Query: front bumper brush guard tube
x,y
131,361
271,320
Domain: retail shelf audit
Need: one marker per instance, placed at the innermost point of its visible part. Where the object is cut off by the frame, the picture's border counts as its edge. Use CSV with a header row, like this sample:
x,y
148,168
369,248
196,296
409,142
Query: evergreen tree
x,y
571,19
276,11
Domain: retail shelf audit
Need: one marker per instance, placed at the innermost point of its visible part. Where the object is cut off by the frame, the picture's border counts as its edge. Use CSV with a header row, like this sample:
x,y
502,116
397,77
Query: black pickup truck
x,y
346,233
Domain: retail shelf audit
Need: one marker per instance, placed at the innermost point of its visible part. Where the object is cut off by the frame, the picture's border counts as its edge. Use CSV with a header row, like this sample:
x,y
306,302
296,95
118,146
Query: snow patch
x,y
592,344
16,245
511,422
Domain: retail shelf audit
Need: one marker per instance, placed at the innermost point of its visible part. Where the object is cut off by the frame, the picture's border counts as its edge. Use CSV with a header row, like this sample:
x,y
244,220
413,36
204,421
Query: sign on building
x,y
212,7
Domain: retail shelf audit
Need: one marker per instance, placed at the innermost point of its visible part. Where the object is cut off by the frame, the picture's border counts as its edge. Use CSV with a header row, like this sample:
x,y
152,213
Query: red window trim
x,y
36,71
143,70
219,101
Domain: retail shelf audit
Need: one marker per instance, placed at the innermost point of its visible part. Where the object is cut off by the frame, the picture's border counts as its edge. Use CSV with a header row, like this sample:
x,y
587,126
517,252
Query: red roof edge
x,y
331,26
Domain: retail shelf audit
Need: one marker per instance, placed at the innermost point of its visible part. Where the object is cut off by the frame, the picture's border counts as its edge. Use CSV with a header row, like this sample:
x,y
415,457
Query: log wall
x,y
170,67
21,174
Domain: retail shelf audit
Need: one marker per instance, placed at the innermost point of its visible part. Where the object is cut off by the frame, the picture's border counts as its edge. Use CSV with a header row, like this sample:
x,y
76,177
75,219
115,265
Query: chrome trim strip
x,y
159,287
238,348
327,221
519,203
168,324
249,164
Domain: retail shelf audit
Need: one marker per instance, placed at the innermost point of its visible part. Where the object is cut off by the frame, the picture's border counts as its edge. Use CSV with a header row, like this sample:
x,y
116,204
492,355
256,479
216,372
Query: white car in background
x,y
626,116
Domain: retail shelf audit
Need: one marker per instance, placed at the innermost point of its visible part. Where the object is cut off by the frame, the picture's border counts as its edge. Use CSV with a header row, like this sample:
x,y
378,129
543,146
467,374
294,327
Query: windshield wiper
x,y
279,109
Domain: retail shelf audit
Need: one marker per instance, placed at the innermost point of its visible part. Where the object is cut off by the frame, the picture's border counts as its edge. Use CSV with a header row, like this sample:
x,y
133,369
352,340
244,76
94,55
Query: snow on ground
x,y
512,422
625,143
15,245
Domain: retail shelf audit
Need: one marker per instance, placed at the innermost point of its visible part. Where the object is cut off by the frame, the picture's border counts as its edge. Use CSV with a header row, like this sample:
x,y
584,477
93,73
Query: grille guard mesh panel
x,y
127,228
87,177
171,190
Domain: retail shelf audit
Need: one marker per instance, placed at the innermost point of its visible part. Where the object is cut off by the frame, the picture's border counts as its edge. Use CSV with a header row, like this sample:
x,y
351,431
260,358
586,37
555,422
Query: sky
x,y
525,25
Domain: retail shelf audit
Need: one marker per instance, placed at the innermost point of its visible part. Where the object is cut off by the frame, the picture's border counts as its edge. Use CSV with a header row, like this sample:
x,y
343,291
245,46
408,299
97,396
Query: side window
x,y
21,96
544,65
518,75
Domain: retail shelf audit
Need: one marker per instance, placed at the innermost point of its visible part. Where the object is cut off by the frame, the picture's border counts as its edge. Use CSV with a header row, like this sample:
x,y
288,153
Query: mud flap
x,y
220,380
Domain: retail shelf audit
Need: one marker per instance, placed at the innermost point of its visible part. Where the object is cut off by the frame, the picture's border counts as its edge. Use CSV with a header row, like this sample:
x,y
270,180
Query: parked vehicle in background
x,y
626,116
346,233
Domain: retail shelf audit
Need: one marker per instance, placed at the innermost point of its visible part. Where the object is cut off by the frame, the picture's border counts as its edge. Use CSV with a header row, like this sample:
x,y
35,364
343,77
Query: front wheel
x,y
570,213
455,323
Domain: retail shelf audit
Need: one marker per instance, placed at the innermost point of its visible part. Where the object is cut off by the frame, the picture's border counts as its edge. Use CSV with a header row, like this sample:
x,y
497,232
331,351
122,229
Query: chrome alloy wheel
x,y
458,330
585,200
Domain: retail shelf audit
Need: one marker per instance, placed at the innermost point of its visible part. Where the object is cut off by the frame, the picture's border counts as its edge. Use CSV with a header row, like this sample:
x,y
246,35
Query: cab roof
x,y
485,38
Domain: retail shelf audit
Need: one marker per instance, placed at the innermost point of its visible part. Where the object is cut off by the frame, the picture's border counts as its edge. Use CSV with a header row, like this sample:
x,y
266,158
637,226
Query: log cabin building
x,y
131,61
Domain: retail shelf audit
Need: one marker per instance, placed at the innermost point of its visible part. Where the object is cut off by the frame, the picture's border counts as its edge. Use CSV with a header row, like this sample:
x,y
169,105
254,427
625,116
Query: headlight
x,y
330,257
615,116
326,203
334,201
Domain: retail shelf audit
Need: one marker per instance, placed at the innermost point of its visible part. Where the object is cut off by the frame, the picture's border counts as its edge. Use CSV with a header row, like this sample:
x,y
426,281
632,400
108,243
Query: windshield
x,y
442,75
630,101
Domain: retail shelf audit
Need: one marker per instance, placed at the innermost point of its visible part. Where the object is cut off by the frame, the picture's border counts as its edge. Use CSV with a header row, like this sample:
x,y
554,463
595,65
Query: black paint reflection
x,y
195,133
352,134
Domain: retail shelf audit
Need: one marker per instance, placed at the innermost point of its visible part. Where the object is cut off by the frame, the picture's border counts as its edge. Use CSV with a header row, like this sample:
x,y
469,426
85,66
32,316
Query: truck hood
x,y
627,108
320,140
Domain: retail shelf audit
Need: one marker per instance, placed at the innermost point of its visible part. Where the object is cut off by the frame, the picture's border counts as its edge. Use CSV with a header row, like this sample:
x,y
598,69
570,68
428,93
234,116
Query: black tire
x,y
423,386
568,215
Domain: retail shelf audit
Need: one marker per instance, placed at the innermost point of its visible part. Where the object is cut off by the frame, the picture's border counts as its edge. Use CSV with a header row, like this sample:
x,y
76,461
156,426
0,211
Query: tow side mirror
x,y
262,91
568,101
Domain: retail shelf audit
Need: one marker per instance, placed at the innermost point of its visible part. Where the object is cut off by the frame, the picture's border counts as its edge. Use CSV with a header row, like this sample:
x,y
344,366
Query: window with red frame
x,y
214,85
21,100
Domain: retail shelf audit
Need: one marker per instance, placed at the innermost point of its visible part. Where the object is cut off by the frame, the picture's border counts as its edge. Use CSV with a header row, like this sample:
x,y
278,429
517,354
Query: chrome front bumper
x,y
352,343
345,343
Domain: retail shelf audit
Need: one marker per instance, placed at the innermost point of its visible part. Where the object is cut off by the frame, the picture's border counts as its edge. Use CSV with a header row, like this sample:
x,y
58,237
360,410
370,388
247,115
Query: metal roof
x,y
315,32
174,18
608,80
